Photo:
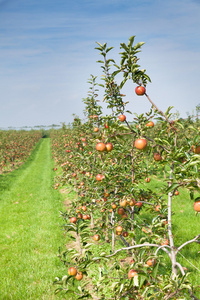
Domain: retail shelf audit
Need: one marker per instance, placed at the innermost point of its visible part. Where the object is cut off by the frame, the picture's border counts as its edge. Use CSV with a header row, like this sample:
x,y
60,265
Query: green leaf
x,y
155,270
129,112
138,45
88,296
131,40
99,44
147,77
192,128
116,66
187,155
116,72
186,286
58,290
110,60
196,139
123,82
168,110
142,280
64,278
108,49
172,187
121,287
135,280
98,48
123,60
192,195
124,47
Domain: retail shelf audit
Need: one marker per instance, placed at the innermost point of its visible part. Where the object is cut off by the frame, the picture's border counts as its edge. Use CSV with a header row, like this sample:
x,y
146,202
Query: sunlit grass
x,y
30,229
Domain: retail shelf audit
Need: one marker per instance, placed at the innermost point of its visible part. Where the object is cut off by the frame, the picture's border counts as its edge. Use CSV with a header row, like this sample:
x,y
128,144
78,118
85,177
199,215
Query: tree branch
x,y
181,268
166,118
139,246
194,240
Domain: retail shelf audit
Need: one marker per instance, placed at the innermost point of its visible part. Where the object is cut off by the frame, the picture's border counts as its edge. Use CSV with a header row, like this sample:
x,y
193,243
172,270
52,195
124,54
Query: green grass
x,y
30,232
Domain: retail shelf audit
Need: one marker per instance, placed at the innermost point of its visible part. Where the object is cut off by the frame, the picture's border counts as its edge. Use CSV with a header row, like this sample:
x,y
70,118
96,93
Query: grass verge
x,y
30,228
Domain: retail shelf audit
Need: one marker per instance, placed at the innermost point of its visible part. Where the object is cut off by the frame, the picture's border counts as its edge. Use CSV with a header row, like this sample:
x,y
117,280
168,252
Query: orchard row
x,y
125,175
16,147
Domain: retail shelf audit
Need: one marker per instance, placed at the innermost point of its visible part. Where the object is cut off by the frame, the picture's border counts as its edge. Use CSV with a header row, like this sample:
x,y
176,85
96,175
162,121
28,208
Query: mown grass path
x,y
30,232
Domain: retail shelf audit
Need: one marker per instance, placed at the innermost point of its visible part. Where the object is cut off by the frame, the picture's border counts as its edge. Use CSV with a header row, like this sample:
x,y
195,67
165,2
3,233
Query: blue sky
x,y
47,55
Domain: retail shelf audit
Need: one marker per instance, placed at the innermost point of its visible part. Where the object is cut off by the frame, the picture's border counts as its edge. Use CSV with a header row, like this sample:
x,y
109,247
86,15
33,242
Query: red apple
x,y
79,276
150,124
138,204
72,271
151,262
157,208
140,90
99,177
84,208
125,234
165,242
132,273
132,202
96,237
140,144
114,206
196,206
120,211
197,150
119,228
123,202
157,157
100,147
122,118
73,220
109,147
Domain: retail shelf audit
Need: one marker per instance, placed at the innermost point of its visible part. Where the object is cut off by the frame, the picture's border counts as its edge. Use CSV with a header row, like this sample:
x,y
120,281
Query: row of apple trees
x,y
120,229
15,147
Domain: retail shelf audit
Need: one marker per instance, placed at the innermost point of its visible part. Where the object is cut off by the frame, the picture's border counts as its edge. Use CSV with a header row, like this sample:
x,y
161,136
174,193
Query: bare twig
x,y
139,246
133,131
194,240
146,137
160,111
189,262
193,296
181,268
132,162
